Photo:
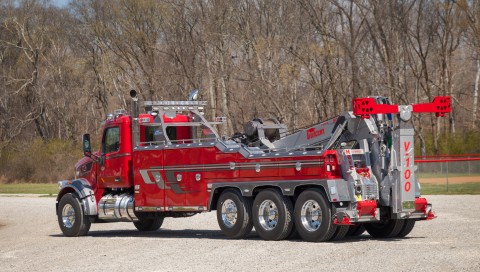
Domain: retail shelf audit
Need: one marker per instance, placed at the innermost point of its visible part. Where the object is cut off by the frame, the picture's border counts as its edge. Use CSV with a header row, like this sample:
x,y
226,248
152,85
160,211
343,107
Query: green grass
x,y
443,175
453,189
29,188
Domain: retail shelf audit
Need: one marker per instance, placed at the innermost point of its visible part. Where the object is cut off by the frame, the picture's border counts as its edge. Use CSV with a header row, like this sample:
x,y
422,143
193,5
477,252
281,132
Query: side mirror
x,y
87,148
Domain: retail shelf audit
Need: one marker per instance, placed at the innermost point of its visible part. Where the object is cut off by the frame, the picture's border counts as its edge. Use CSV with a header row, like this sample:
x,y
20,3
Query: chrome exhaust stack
x,y
117,208
135,124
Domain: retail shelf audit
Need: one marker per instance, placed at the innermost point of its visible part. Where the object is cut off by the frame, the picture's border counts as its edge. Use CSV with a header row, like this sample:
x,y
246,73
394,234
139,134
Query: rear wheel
x,y
407,228
149,224
340,233
356,230
71,218
386,229
272,215
313,217
234,214
293,234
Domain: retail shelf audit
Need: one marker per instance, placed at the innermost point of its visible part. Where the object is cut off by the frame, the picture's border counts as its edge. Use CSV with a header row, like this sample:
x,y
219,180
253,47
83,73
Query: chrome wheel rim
x,y
268,215
229,213
311,215
68,216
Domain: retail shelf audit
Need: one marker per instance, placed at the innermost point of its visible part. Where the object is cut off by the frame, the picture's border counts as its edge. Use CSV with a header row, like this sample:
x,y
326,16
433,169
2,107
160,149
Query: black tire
x,y
407,228
271,201
293,234
356,230
149,224
71,218
340,233
242,216
314,233
387,229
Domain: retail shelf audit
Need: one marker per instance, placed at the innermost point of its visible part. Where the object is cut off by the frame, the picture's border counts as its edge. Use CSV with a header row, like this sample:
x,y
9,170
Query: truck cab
x,y
115,160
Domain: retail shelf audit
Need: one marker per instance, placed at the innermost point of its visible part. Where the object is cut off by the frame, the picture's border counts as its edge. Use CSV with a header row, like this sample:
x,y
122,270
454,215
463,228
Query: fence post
x,y
447,173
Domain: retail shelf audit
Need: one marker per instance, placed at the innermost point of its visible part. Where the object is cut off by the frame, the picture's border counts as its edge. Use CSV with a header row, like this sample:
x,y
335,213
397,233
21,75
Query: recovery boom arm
x,y
395,150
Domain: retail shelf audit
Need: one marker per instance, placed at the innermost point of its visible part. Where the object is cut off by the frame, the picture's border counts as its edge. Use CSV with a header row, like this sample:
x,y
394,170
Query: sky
x,y
60,3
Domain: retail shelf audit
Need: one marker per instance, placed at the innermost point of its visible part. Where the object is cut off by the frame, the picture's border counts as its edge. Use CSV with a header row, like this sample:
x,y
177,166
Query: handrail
x,y
204,140
183,141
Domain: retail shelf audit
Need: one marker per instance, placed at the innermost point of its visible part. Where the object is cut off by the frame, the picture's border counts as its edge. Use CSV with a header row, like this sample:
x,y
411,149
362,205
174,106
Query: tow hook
x,y
431,215
342,218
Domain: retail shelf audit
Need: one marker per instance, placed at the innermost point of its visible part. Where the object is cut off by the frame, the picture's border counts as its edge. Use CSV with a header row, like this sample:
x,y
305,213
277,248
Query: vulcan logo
x,y
312,133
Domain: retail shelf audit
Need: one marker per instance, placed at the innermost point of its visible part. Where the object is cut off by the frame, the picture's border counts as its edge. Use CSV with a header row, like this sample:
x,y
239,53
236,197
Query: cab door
x,y
112,160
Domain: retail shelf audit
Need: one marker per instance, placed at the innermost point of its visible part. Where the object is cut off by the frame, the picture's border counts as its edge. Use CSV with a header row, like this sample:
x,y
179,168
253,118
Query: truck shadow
x,y
163,234
217,235
362,238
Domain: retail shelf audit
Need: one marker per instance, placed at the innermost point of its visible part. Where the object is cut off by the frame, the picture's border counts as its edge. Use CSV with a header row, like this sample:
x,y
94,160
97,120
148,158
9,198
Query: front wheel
x,y
71,218
150,224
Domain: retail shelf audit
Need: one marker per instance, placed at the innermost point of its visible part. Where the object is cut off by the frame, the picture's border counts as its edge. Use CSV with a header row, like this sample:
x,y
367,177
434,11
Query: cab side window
x,y
111,140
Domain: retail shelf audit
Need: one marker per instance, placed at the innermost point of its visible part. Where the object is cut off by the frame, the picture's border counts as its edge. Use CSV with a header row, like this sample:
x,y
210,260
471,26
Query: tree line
x,y
62,70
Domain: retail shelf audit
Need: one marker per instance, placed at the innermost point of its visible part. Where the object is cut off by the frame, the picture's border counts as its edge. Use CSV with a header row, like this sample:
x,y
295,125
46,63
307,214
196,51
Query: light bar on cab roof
x,y
119,112
175,103
176,108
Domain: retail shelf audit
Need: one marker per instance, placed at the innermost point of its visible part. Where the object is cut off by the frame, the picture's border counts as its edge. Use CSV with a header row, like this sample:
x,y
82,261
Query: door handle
x,y
117,179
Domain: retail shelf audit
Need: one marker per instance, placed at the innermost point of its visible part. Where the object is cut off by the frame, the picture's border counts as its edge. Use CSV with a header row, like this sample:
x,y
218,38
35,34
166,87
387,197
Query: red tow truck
x,y
348,174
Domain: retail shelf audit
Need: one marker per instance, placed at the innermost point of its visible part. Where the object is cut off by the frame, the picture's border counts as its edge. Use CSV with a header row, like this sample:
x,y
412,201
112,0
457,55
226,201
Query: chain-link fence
x,y
448,170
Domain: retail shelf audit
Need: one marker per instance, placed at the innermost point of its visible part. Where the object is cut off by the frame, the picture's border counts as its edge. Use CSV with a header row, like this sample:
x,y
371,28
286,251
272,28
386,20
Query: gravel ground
x,y
30,240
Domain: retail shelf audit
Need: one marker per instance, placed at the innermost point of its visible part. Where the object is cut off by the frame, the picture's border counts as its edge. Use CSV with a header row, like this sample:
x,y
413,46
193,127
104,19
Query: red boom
x,y
363,107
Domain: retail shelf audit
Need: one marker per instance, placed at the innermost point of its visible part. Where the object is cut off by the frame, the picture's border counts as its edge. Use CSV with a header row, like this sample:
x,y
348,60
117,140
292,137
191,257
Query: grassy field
x,y
427,189
29,188
452,189
444,175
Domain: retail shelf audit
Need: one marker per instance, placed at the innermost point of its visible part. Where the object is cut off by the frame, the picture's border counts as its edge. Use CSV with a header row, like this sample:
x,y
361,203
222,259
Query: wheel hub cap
x,y
229,213
68,216
311,215
268,215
